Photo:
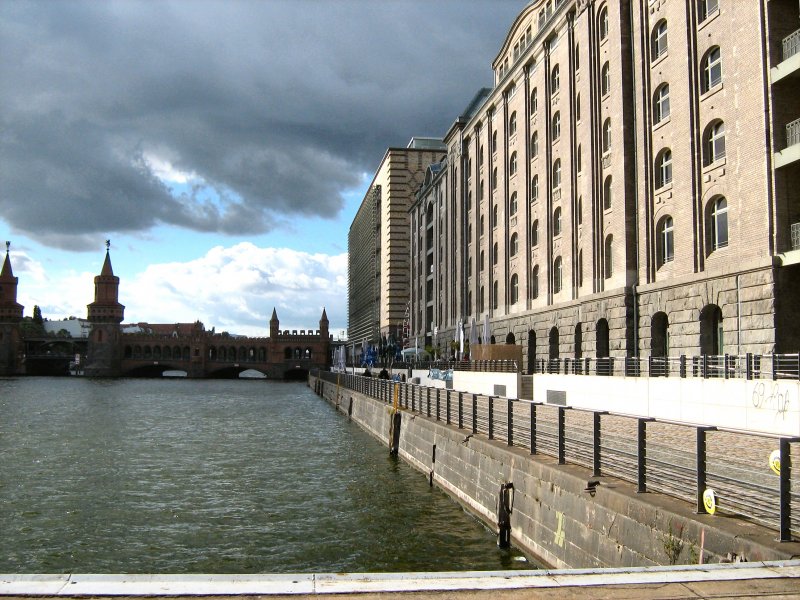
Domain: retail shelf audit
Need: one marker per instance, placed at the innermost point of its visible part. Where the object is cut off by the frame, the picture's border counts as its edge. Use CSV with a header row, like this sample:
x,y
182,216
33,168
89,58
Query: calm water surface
x,y
182,476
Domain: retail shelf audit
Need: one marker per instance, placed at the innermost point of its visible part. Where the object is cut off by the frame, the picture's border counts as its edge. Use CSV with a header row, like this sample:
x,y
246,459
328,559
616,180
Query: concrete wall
x,y
554,519
758,405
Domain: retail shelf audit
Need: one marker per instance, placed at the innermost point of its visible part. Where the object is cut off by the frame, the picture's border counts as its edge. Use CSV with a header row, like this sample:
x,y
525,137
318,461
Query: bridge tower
x,y
104,352
274,325
10,317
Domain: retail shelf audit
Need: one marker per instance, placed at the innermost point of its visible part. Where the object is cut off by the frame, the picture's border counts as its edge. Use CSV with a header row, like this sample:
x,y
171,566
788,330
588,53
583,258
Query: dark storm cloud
x,y
277,107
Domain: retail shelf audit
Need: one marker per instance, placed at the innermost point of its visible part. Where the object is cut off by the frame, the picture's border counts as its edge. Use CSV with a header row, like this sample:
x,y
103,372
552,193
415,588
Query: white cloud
x,y
236,288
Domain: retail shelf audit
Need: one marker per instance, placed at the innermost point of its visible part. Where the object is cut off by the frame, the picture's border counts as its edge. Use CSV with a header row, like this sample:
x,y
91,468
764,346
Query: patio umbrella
x,y
473,333
487,333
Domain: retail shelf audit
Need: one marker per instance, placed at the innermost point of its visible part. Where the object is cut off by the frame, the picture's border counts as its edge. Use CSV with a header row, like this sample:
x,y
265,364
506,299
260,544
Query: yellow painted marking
x,y
560,535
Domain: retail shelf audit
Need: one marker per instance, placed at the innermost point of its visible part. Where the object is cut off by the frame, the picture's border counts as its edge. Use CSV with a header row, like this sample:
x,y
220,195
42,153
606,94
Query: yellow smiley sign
x,y
710,501
775,461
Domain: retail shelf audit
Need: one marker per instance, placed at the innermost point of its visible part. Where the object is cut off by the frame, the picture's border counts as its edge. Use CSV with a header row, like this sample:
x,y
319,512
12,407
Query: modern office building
x,y
377,243
630,186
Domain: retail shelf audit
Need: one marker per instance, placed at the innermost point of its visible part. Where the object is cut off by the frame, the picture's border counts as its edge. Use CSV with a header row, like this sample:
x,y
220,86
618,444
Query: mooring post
x,y
505,506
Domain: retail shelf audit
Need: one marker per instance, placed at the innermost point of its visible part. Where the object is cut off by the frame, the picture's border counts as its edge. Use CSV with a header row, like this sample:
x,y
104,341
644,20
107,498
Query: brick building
x,y
629,186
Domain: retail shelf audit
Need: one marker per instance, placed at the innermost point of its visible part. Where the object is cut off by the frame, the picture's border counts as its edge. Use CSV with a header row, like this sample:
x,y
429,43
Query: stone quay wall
x,y
555,519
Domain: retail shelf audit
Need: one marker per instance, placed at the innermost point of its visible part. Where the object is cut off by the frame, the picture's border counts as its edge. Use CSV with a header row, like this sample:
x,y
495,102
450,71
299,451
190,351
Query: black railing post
x,y
533,428
725,366
460,410
786,488
428,395
641,455
562,427
491,417
701,465
650,366
704,364
682,366
413,399
438,402
596,466
474,413
774,367
510,422
448,407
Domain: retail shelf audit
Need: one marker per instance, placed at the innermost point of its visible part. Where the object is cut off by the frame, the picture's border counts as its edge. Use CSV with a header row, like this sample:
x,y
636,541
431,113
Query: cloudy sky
x,y
222,146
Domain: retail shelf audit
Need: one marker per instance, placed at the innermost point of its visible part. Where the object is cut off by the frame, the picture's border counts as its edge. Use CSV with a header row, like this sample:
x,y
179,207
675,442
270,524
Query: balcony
x,y
790,58
791,153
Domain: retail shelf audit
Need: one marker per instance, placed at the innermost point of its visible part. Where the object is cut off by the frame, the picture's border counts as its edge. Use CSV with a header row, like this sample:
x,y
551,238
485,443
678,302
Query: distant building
x,y
630,186
378,250
10,317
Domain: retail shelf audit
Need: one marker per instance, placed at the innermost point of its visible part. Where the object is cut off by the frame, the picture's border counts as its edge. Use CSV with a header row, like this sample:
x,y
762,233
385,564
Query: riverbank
x,y
559,517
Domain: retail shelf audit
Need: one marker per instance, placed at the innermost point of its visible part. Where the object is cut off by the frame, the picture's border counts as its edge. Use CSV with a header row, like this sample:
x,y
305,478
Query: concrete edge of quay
x,y
84,585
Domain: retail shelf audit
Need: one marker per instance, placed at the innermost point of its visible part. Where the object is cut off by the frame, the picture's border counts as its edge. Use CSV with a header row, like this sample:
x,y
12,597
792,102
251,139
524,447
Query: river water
x,y
188,476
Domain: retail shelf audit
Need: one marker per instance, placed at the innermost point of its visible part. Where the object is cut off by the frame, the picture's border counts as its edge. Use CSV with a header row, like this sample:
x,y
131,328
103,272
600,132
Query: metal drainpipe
x,y
635,195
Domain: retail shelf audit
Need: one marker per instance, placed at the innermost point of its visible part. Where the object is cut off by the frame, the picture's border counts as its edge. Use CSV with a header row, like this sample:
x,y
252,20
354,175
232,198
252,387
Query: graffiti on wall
x,y
772,396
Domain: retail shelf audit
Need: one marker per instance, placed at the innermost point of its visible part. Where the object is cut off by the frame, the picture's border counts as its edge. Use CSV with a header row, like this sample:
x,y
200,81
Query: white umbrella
x,y
487,333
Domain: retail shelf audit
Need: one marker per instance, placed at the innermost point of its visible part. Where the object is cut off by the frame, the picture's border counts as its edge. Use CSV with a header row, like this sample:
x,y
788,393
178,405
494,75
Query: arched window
x,y
534,188
711,67
510,339
512,124
661,103
557,221
494,254
603,23
718,221
480,156
580,159
512,164
658,39
483,298
659,335
494,142
494,215
556,128
666,240
607,135
494,179
580,267
607,193
578,341
553,343
714,142
287,353
558,275
514,289
469,267
535,282
480,190
577,57
555,80
534,101
580,210
605,79
535,144
483,256
495,294
609,256
535,233
513,246
557,173
578,108
513,205
712,332
663,168
482,224
602,347
469,200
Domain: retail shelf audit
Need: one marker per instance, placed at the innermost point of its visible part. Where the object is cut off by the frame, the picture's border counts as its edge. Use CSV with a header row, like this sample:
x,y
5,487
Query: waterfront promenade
x,y
743,580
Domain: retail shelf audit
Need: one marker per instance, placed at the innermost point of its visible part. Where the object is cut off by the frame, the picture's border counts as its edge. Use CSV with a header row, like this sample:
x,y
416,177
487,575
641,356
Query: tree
x,y
37,315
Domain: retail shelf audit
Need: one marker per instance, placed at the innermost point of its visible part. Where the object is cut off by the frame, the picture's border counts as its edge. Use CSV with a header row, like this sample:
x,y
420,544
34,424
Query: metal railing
x,y
793,133
791,45
675,459
795,236
724,366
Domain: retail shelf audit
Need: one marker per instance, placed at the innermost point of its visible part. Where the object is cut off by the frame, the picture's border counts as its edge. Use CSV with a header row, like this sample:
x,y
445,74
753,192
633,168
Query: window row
x,y
716,218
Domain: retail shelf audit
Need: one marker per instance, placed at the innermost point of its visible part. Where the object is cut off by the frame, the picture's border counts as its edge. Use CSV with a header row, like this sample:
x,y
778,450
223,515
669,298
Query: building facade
x,y
11,347
378,243
628,187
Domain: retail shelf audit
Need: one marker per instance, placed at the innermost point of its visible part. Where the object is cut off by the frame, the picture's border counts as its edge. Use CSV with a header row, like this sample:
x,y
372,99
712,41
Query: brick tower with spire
x,y
10,317
104,354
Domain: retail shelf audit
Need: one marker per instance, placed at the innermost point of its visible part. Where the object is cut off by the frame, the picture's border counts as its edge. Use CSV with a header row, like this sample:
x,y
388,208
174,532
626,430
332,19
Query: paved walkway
x,y
779,579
